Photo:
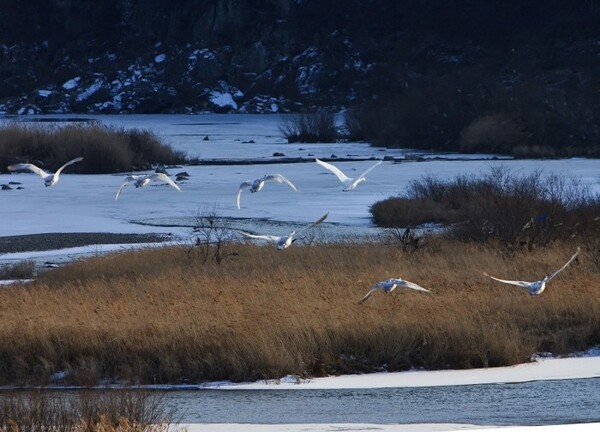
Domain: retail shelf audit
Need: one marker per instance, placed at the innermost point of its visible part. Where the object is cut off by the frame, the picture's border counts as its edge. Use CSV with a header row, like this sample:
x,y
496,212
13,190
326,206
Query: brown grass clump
x,y
169,316
104,149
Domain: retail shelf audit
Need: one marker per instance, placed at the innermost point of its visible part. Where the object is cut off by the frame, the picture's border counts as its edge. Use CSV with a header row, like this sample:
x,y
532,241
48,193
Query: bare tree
x,y
214,235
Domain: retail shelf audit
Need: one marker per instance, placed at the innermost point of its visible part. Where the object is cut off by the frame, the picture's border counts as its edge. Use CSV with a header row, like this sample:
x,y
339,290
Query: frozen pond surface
x,y
85,203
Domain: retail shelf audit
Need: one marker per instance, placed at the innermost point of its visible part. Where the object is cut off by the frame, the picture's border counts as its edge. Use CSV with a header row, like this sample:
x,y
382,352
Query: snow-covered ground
x,y
586,366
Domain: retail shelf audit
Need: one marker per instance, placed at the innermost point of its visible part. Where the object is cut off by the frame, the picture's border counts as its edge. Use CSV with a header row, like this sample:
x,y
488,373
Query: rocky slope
x,y
185,56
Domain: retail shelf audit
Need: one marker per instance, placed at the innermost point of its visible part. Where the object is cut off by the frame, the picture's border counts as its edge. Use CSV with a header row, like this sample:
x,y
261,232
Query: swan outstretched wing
x,y
321,219
28,167
71,162
407,284
127,180
338,173
257,236
281,179
367,295
552,275
511,282
244,185
166,179
369,170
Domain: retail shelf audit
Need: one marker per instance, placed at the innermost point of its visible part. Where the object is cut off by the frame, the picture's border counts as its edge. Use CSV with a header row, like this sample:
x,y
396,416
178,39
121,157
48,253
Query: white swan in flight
x,y
349,181
259,183
284,241
50,179
537,287
390,285
143,180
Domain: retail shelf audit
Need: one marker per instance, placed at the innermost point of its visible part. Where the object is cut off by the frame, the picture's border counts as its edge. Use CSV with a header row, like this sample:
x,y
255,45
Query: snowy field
x,y
86,203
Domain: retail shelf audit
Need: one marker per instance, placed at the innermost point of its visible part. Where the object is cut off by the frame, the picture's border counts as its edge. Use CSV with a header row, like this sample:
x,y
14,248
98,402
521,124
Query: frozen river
x,y
532,403
545,402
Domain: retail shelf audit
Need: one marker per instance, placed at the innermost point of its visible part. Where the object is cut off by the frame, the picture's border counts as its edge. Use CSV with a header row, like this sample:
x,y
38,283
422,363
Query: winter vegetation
x,y
89,411
19,270
517,210
104,149
309,127
170,315
461,113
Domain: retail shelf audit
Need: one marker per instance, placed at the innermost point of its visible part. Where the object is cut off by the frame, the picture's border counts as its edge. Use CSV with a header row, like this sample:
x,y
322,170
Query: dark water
x,y
532,403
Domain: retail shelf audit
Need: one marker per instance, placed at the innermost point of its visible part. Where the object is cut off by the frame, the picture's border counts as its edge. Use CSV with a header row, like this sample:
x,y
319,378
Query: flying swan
x,y
284,241
145,179
50,179
350,182
259,183
390,285
537,287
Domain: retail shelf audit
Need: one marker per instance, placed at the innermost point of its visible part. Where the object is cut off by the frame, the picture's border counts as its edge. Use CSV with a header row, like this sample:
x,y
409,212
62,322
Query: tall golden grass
x,y
165,316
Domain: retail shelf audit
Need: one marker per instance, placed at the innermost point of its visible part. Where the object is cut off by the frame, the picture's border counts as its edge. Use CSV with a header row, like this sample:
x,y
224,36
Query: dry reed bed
x,y
104,149
163,316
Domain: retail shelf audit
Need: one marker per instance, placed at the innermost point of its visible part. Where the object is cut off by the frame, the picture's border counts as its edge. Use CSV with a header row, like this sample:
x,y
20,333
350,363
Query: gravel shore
x,y
50,241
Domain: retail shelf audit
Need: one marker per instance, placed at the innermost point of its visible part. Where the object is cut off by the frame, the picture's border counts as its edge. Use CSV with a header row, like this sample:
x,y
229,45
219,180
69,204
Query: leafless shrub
x,y
19,270
309,127
84,411
214,236
492,133
517,210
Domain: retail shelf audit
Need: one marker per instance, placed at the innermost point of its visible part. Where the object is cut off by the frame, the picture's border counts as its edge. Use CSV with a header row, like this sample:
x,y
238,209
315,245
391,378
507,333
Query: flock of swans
x,y
283,242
